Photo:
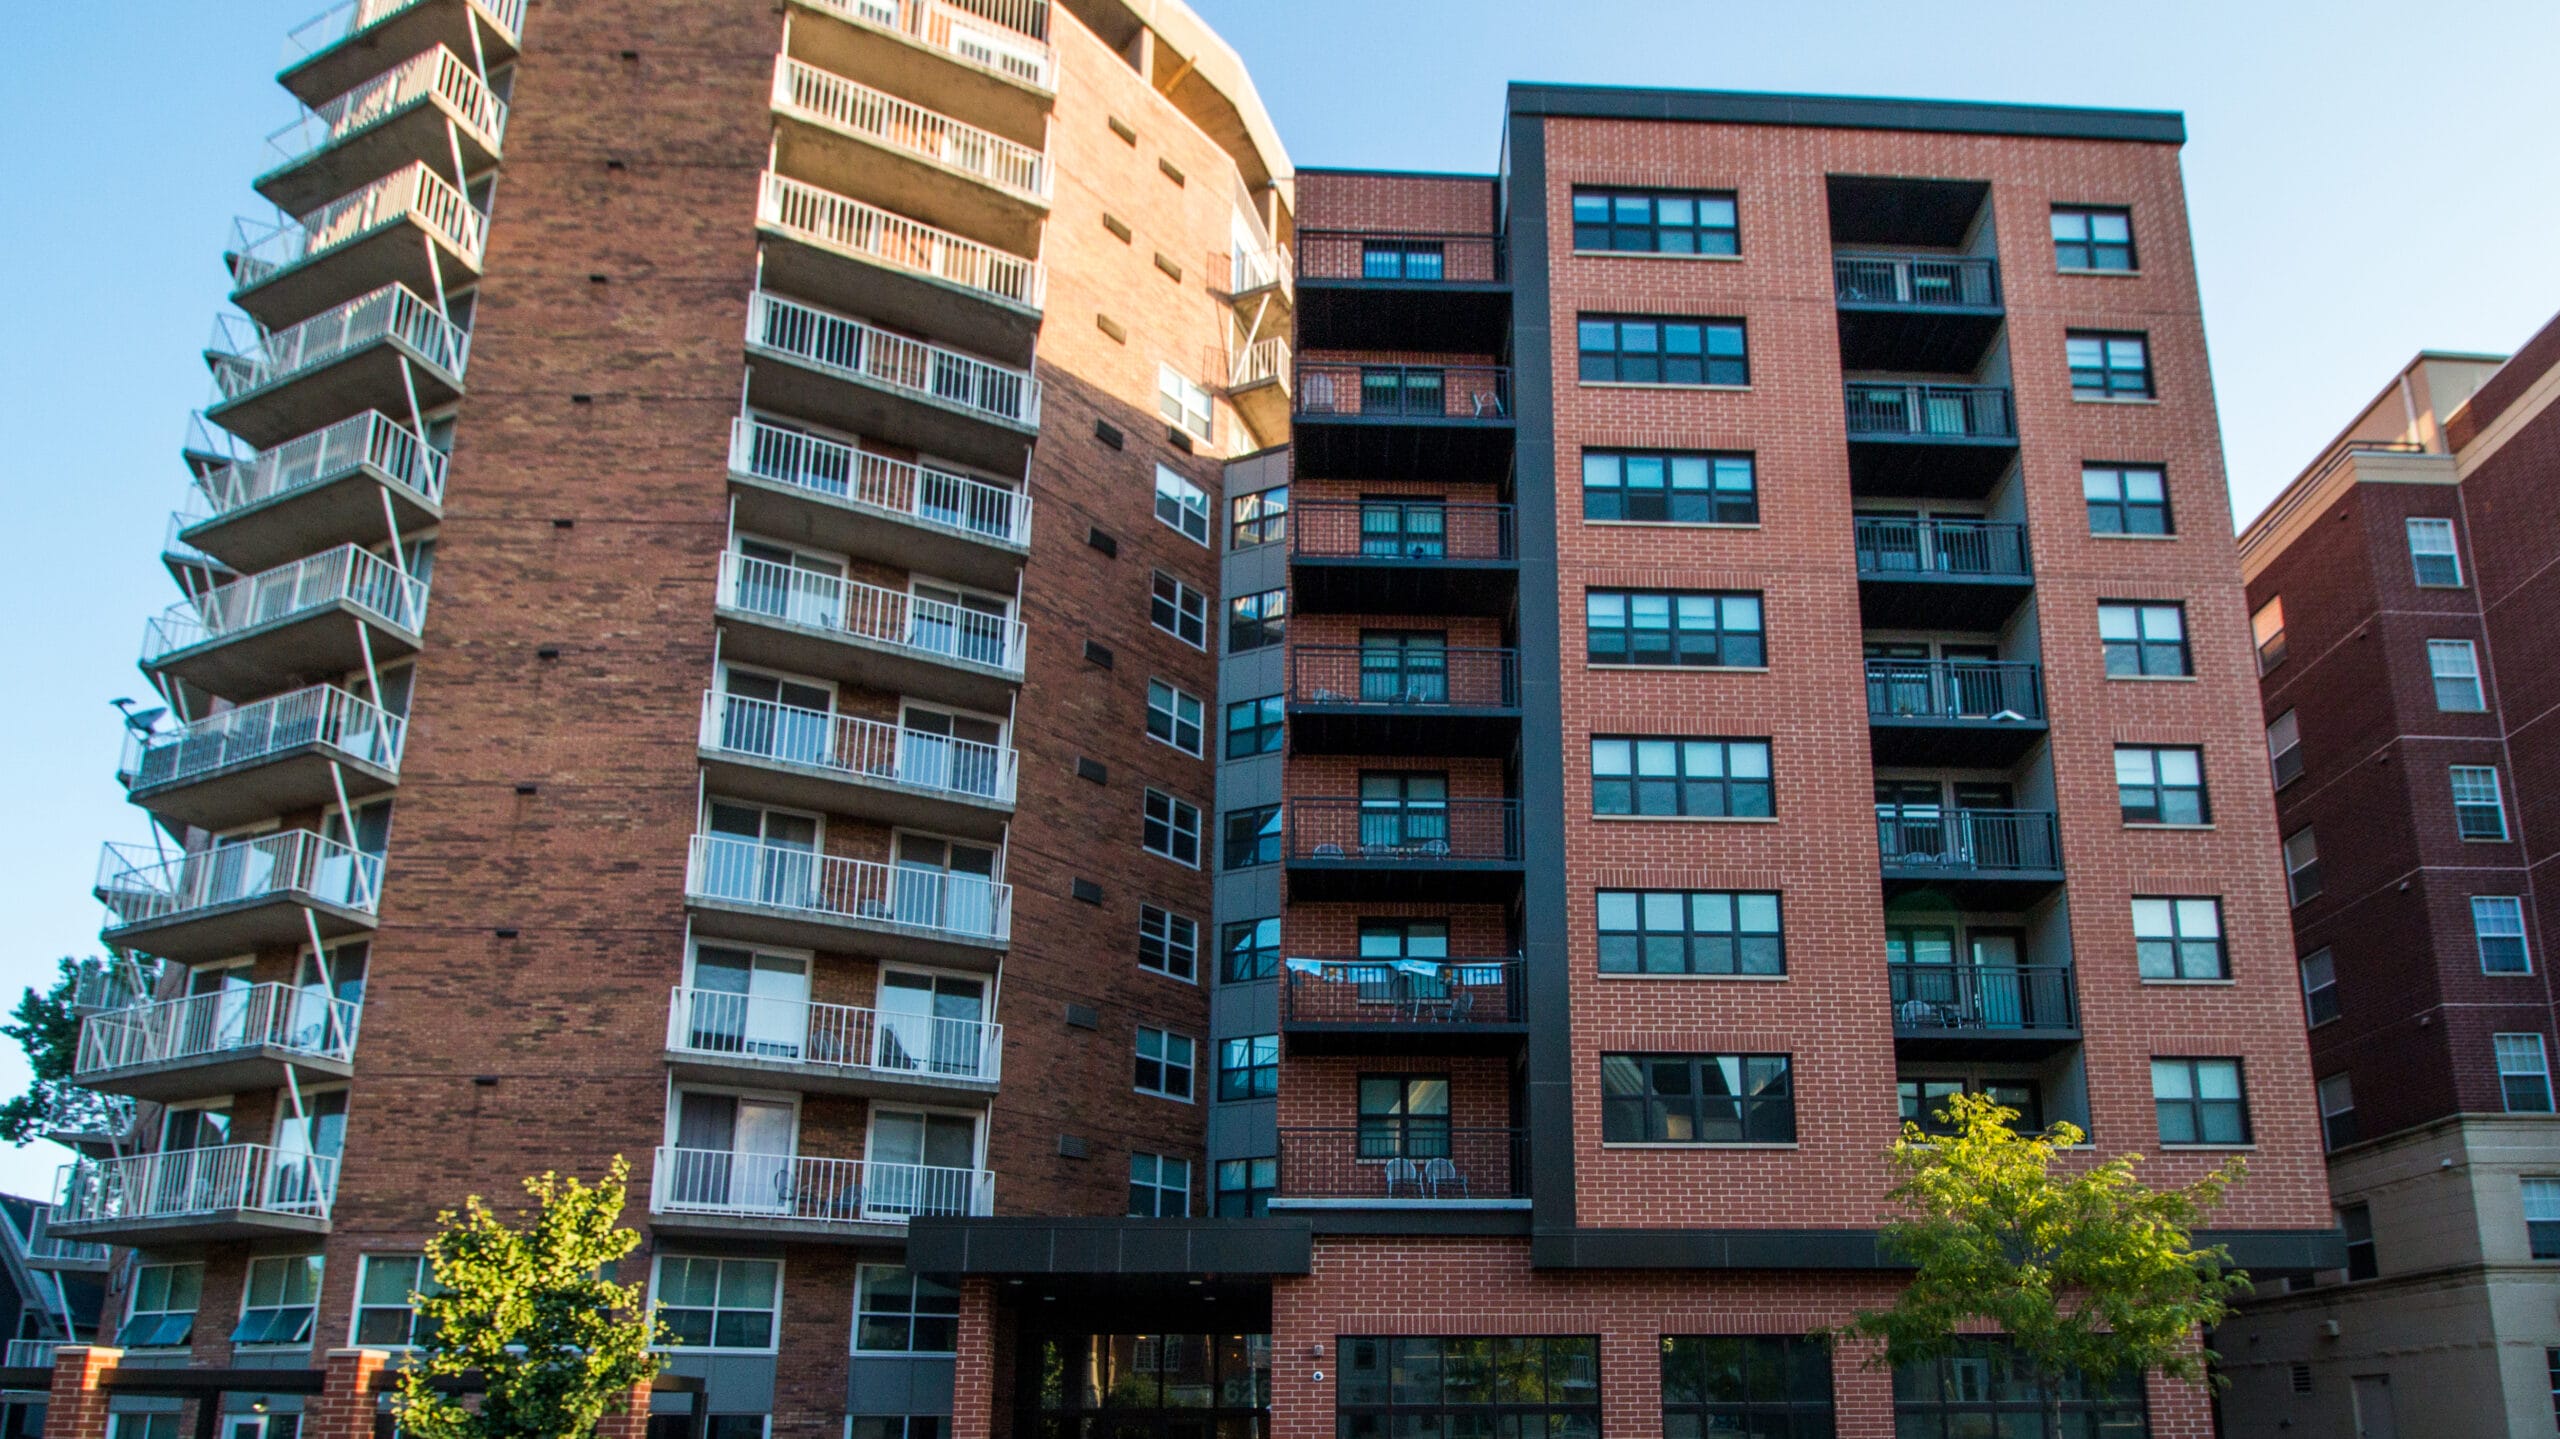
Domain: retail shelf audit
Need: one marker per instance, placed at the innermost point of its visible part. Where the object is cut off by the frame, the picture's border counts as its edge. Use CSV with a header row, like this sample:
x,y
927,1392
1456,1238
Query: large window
x,y
1249,1067
1702,628
1409,1387
1261,518
1183,401
1249,950
2156,785
2455,667
1256,620
1252,837
2524,1072
1182,505
2319,986
1165,1063
2199,1101
2178,938
384,1317
1245,1187
1404,1116
1701,931
162,1314
2144,640
2302,866
2431,554
1159,1186
1180,611
720,1303
1655,222
1171,828
1173,717
1182,1385
2478,810
2542,1217
2092,237
2284,748
2125,499
1697,1099
1648,350
1256,726
2497,923
279,1299
1696,778
1168,943
1979,1391
2266,631
1669,487
1767,1387
2109,366
899,1312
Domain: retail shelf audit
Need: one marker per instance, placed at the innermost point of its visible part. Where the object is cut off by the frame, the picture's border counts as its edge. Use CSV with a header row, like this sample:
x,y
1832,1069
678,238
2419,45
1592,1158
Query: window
x,y
720,1303
2178,938
887,1426
1256,727
1697,1099
1172,829
1165,1062
1183,402
1775,1387
1664,487
2431,554
1979,1389
1665,627
1425,260
384,1317
2524,1073
1245,1187
2542,1217
1655,222
2497,922
2284,748
1927,1102
1252,950
2161,786
1173,717
2199,1101
2266,630
1698,778
2478,812
2302,866
1182,505
1699,931
2319,987
163,1312
2145,640
2337,1111
2086,238
1514,1384
1404,1116
1168,943
1253,837
278,1300
2126,499
1254,621
163,1424
898,1312
1637,350
1159,1187
1249,1067
2357,1221
1180,611
1261,518
2109,367
2456,668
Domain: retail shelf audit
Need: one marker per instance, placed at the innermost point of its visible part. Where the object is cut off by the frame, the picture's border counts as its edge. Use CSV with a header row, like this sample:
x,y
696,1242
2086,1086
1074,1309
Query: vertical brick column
x,y
77,1406
345,1406
632,1422
973,1380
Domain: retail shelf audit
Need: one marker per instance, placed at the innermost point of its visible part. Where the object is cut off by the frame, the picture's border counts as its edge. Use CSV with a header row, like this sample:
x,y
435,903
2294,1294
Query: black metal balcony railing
x,y
1954,412
1408,257
1411,392
1916,280
1411,531
1890,547
1966,840
1406,1158
1932,997
1457,831
1954,690
1465,678
1401,992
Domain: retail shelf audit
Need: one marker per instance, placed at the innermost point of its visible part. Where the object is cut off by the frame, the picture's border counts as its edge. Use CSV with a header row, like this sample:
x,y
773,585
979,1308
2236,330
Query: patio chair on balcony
x,y
1405,1177
1443,1181
1488,405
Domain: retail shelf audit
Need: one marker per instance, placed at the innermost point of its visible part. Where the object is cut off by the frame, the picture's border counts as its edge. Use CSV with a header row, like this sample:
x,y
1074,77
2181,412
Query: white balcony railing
x,y
372,438
201,1026
721,1025
246,359
1006,35
1265,359
1256,269
729,869
142,886
339,23
838,471
848,347
108,984
825,218
322,715
856,748
179,1183
824,98
44,1247
437,73
372,584
37,1353
934,629
797,1187
260,248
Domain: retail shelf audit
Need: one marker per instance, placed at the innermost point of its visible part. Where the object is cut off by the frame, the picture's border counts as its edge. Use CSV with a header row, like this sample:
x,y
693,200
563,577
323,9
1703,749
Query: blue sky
x,y
2366,179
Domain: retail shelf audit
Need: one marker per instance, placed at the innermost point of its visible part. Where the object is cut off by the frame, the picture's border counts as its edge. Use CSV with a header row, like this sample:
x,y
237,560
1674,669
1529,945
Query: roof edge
x,y
1846,112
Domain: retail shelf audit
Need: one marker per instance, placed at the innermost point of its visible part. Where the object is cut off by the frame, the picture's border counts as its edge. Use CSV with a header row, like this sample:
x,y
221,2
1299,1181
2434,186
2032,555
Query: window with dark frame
x,y
2109,366
1168,943
1659,350
1710,629
2319,987
1927,1102
1697,1099
2176,938
1180,611
1257,726
897,1311
2337,1096
1170,828
1252,837
1245,1187
2144,640
1684,778
1656,222
1159,1186
2126,499
1669,487
1249,1067
2363,1262
1166,1062
1260,518
1980,1389
1425,260
2199,1101
2159,784
2092,237
1765,1386
1257,620
1249,949
1512,1385
1696,931
1403,1116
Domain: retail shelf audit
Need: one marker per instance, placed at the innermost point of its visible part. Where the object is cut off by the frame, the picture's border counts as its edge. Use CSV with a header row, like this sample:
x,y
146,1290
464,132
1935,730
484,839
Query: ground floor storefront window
x,y
1980,1393
1152,1386
1506,1387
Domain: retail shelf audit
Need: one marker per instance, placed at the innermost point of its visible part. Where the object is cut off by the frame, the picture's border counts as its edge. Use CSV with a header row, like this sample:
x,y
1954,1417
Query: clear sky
x,y
2366,179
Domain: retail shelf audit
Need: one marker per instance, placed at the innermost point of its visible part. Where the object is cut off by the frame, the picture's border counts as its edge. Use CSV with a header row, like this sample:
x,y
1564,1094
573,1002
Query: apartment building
x,y
2393,588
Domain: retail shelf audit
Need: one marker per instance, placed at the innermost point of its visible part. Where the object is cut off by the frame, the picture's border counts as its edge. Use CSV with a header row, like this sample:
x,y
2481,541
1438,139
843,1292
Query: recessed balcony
x,y
725,1038
49,1252
387,350
1964,714
1443,422
860,379
333,613
718,1192
1915,312
1258,383
338,48
775,894
1403,557
296,751
899,271
1458,851
256,509
261,893
2000,856
754,749
809,623
1361,699
428,107
1953,574
1402,290
409,228
192,1196
1415,1164
1929,440
984,60
852,139
793,485
258,1036
1402,1006
1977,1010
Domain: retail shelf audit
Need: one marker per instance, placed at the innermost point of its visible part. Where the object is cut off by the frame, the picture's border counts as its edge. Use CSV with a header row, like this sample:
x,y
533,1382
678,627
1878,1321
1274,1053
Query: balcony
x,y
860,379
1403,557
850,138
254,1037
296,751
408,228
772,894
428,107
330,614
1258,386
793,485
1402,1006
49,1251
1402,290
252,894
1929,440
1459,851
1421,1164
1353,699
388,350
1444,422
1256,273
104,1126
1915,312
989,60
1941,574
1975,1010
757,750
35,1353
257,509
816,624
716,1192
191,1196
1965,714
338,48
724,1038
900,271
2004,856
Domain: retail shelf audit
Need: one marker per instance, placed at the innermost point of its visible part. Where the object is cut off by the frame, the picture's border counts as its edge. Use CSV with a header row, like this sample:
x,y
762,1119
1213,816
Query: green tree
x,y
556,1343
2090,1275
47,1028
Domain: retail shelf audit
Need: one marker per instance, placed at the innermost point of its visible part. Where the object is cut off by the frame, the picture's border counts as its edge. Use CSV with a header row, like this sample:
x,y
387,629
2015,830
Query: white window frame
x,y
2293,872
1185,403
2284,737
1173,717
861,1286
881,1108
657,1267
1191,1092
2329,1091
2513,906
2461,774
357,1308
2539,1203
1158,1185
1172,922
1188,502
133,1305
1175,806
2466,660
2302,965
1188,604
2266,633
2433,528
2501,1051
248,1283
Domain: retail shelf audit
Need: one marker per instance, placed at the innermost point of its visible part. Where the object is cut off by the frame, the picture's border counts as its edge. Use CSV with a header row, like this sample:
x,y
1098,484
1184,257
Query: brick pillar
x,y
633,1420
344,1409
77,1406
973,1380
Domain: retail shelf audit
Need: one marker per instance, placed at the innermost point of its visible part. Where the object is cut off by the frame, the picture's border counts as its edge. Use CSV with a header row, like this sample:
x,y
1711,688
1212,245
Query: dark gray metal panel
x,y
1847,112
1110,1246
2274,1251
1500,1223
2263,1251
1249,1008
898,1384
1250,1130
732,1383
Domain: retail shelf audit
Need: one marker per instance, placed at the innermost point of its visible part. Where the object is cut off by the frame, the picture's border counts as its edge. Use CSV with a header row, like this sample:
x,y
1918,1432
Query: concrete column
x,y
77,1406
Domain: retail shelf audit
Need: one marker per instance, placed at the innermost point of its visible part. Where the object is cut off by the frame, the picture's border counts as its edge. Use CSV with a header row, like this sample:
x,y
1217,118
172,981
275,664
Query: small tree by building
x,y
46,1028
2087,1276
533,1311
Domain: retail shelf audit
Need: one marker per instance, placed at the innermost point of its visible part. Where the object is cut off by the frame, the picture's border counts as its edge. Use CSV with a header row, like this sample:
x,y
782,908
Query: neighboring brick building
x,y
2397,588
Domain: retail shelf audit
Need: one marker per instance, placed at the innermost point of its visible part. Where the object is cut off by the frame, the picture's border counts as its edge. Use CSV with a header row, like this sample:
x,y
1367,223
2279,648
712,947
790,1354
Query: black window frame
x,y
1266,727
1638,953
1265,960
2157,808
2194,1101
1913,1096
2144,648
1171,825
2337,1126
1249,837
2181,948
1656,362
1401,259
1640,793
1401,1131
1257,621
1258,1077
1652,1109
1163,1065
2363,1259
1614,229
1188,607
2089,243
1770,1386
1165,944
1259,518
2119,510
1995,1389
1725,648
1430,1384
1248,1198
1707,503
2112,381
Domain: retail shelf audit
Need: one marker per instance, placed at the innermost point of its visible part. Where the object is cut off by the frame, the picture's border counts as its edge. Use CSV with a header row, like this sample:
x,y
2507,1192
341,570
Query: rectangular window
x,y
2302,866
2087,237
1171,829
1655,222
1261,518
2357,1221
163,1424
1245,1187
2455,664
884,1426
1168,943
278,1300
2266,630
1256,727
2199,1101
1423,260
1256,620
896,1311
1928,1103
1249,1067
1512,1385
2109,366
1183,402
1694,628
2284,748
162,1314
1697,1099
1698,931
2337,1111
2542,1217
1768,1387
2497,923
1250,950
1173,717
1651,350
1180,611
2157,785
2126,499
1980,1389
385,1318
720,1303
2431,554
2524,1073
1165,1063
1182,505
2178,938
1159,1186
2478,810
1697,778
1404,1116
1669,487
1252,837
2319,987
2147,640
